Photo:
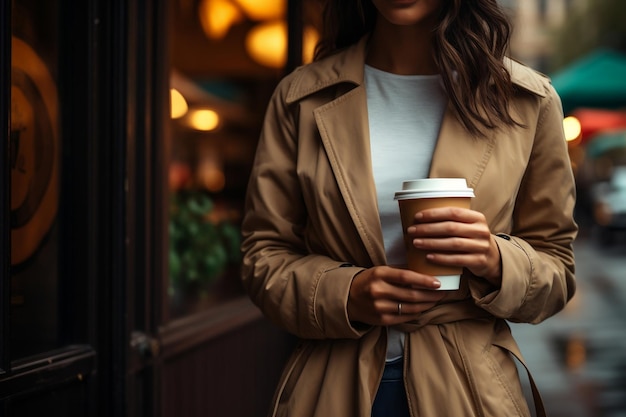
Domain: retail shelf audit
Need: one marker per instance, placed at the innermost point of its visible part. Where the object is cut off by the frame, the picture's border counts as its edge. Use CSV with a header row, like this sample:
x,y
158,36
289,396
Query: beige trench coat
x,y
312,224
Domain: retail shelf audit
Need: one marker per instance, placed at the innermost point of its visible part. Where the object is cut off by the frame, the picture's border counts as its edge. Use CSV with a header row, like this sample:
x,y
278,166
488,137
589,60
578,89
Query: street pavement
x,y
578,357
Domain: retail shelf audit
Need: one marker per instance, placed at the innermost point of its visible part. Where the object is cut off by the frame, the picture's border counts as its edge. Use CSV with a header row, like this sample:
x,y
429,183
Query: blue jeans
x,y
391,399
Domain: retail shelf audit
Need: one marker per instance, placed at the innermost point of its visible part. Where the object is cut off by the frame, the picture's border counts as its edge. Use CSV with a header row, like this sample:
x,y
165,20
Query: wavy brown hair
x,y
470,42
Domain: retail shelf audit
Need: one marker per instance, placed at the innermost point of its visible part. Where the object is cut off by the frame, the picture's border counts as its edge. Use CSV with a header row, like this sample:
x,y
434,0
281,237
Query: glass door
x,y
47,353
35,161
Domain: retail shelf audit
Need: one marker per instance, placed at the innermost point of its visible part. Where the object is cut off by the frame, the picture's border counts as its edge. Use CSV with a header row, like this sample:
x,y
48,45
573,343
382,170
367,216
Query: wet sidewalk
x,y
578,357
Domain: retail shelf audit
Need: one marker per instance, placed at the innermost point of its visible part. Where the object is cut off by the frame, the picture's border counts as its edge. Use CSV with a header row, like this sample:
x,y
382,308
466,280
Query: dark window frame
x,y
5,183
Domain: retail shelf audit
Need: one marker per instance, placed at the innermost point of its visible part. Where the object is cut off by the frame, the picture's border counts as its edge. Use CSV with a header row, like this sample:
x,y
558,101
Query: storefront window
x,y
35,172
226,58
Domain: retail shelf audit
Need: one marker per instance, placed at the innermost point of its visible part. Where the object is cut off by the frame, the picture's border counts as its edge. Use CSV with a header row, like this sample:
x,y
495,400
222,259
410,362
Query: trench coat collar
x,y
344,129
347,66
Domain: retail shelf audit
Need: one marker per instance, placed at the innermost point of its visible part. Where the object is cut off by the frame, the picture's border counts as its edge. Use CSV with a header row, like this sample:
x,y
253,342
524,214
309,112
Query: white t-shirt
x,y
405,114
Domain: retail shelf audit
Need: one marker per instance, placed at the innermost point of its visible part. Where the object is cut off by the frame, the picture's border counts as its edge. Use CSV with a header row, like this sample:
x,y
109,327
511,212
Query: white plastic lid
x,y
434,187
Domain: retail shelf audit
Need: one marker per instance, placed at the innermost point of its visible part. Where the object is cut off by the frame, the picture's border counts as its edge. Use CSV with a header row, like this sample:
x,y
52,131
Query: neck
x,y
403,50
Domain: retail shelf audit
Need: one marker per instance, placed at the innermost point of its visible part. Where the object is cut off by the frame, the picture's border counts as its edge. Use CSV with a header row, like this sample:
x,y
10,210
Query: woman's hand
x,y
459,237
376,293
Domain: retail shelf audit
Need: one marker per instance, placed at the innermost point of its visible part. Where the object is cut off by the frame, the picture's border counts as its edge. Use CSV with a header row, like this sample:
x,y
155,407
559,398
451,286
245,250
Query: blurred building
x,y
534,23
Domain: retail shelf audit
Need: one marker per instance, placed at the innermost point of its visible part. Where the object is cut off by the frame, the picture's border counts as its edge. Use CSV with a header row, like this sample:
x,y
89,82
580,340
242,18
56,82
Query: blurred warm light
x,y
263,9
179,105
572,128
575,353
266,43
211,176
179,175
309,41
217,16
204,119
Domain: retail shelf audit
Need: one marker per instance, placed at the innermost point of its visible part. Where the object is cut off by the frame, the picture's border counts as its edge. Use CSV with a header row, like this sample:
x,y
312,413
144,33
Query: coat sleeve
x,y
304,293
537,256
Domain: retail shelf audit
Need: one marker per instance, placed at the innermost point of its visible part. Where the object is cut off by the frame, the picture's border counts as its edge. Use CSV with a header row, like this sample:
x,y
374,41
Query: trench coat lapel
x,y
459,155
344,129
343,126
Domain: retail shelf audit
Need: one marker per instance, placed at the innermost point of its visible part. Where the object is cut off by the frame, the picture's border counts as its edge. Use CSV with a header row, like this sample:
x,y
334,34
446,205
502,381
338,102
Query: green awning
x,y
598,80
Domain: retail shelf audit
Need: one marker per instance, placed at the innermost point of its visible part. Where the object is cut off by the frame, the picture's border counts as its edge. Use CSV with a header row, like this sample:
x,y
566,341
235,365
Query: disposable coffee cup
x,y
422,194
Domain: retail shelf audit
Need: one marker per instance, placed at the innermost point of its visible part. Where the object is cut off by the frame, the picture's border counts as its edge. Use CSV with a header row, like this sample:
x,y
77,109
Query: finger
x,y
449,228
417,295
404,278
469,261
413,310
453,245
396,313
448,213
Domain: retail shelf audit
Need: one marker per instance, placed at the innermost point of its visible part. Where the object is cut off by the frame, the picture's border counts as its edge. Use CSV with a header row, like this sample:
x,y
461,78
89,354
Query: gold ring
x,y
399,309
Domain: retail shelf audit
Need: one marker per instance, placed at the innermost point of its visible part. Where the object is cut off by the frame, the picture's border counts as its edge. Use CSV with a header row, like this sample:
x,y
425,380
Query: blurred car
x,y
609,204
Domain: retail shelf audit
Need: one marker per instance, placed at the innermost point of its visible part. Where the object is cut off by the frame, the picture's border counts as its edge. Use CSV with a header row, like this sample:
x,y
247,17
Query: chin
x,y
408,12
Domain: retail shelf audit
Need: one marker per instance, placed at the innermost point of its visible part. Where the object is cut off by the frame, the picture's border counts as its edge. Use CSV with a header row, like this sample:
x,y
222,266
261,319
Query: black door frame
x,y
132,114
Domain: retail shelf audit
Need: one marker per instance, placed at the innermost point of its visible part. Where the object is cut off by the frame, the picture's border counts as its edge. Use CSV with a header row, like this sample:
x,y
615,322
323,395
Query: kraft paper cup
x,y
422,194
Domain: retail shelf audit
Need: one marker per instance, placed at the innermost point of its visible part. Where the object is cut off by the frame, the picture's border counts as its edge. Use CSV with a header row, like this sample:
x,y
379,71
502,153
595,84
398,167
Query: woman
x,y
404,89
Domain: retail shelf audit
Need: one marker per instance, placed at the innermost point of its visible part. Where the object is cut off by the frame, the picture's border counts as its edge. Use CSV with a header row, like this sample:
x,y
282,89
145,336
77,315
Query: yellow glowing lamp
x,y
266,43
217,17
572,128
211,176
309,41
263,9
204,119
178,104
